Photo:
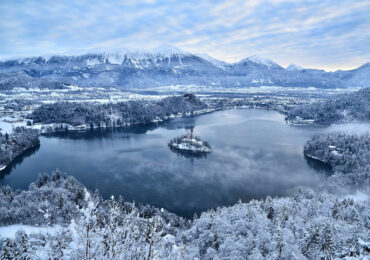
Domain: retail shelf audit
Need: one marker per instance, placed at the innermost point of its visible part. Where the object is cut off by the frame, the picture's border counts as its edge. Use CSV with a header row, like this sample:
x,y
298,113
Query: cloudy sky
x,y
321,34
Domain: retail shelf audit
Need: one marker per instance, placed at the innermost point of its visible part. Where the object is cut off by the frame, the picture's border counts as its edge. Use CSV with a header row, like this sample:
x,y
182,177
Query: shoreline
x,y
4,167
315,158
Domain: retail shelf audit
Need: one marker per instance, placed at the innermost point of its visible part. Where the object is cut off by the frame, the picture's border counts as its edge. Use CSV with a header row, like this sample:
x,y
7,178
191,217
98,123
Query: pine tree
x,y
269,207
22,243
9,250
153,235
112,230
89,233
311,242
326,241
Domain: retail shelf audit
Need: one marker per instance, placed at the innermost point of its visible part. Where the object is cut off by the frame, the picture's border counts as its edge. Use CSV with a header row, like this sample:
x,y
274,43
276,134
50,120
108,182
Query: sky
x,y
314,34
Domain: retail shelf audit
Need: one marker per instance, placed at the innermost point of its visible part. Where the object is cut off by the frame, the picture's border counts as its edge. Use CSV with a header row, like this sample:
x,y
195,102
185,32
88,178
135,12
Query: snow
x,y
260,60
92,62
168,51
314,157
6,127
358,196
293,67
192,145
336,153
8,124
72,87
215,62
115,58
10,231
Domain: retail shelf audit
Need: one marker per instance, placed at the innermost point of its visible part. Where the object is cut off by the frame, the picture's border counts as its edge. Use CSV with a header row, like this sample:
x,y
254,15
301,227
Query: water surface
x,y
255,154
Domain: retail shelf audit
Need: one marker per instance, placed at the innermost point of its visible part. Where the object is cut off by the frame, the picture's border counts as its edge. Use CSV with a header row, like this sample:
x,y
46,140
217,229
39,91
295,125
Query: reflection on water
x,y
18,160
255,154
189,155
318,165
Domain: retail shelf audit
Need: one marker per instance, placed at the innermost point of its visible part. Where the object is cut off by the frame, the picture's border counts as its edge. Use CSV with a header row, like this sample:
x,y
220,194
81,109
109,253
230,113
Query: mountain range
x,y
163,67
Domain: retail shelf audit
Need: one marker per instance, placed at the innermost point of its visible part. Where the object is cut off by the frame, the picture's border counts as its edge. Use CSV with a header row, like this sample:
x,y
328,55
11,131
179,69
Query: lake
x,y
255,154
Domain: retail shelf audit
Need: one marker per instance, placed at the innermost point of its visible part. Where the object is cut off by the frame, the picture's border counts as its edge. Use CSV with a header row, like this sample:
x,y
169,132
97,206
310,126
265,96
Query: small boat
x,y
2,167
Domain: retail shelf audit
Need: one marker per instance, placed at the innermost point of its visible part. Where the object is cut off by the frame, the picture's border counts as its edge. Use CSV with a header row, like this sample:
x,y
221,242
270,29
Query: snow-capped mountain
x,y
255,59
357,77
293,67
166,66
215,62
256,70
125,69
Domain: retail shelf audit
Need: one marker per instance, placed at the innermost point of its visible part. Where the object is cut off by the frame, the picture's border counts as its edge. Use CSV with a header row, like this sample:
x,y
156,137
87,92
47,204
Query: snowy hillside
x,y
63,220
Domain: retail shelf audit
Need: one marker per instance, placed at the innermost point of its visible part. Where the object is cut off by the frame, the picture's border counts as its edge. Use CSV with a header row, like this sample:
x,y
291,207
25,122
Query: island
x,y
190,143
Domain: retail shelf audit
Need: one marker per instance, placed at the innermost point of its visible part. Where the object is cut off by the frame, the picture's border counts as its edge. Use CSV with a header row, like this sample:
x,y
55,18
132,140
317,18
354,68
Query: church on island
x,y
190,143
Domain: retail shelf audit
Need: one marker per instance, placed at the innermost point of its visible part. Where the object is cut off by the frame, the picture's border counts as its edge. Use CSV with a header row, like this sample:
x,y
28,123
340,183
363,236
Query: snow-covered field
x,y
263,89
10,231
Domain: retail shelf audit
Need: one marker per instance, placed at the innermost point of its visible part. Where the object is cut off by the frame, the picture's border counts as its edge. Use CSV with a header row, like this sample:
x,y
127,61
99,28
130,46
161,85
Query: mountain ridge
x,y
168,66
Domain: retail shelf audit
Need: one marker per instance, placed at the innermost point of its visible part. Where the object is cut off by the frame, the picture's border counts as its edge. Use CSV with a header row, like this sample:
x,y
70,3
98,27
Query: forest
x,y
115,114
343,108
339,109
307,225
345,153
349,157
14,144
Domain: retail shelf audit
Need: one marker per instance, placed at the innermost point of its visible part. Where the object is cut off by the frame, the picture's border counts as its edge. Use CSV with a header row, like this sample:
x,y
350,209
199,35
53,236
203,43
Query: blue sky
x,y
321,34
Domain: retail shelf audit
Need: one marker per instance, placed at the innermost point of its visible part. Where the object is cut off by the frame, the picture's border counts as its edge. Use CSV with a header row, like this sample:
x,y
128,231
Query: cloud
x,y
328,34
